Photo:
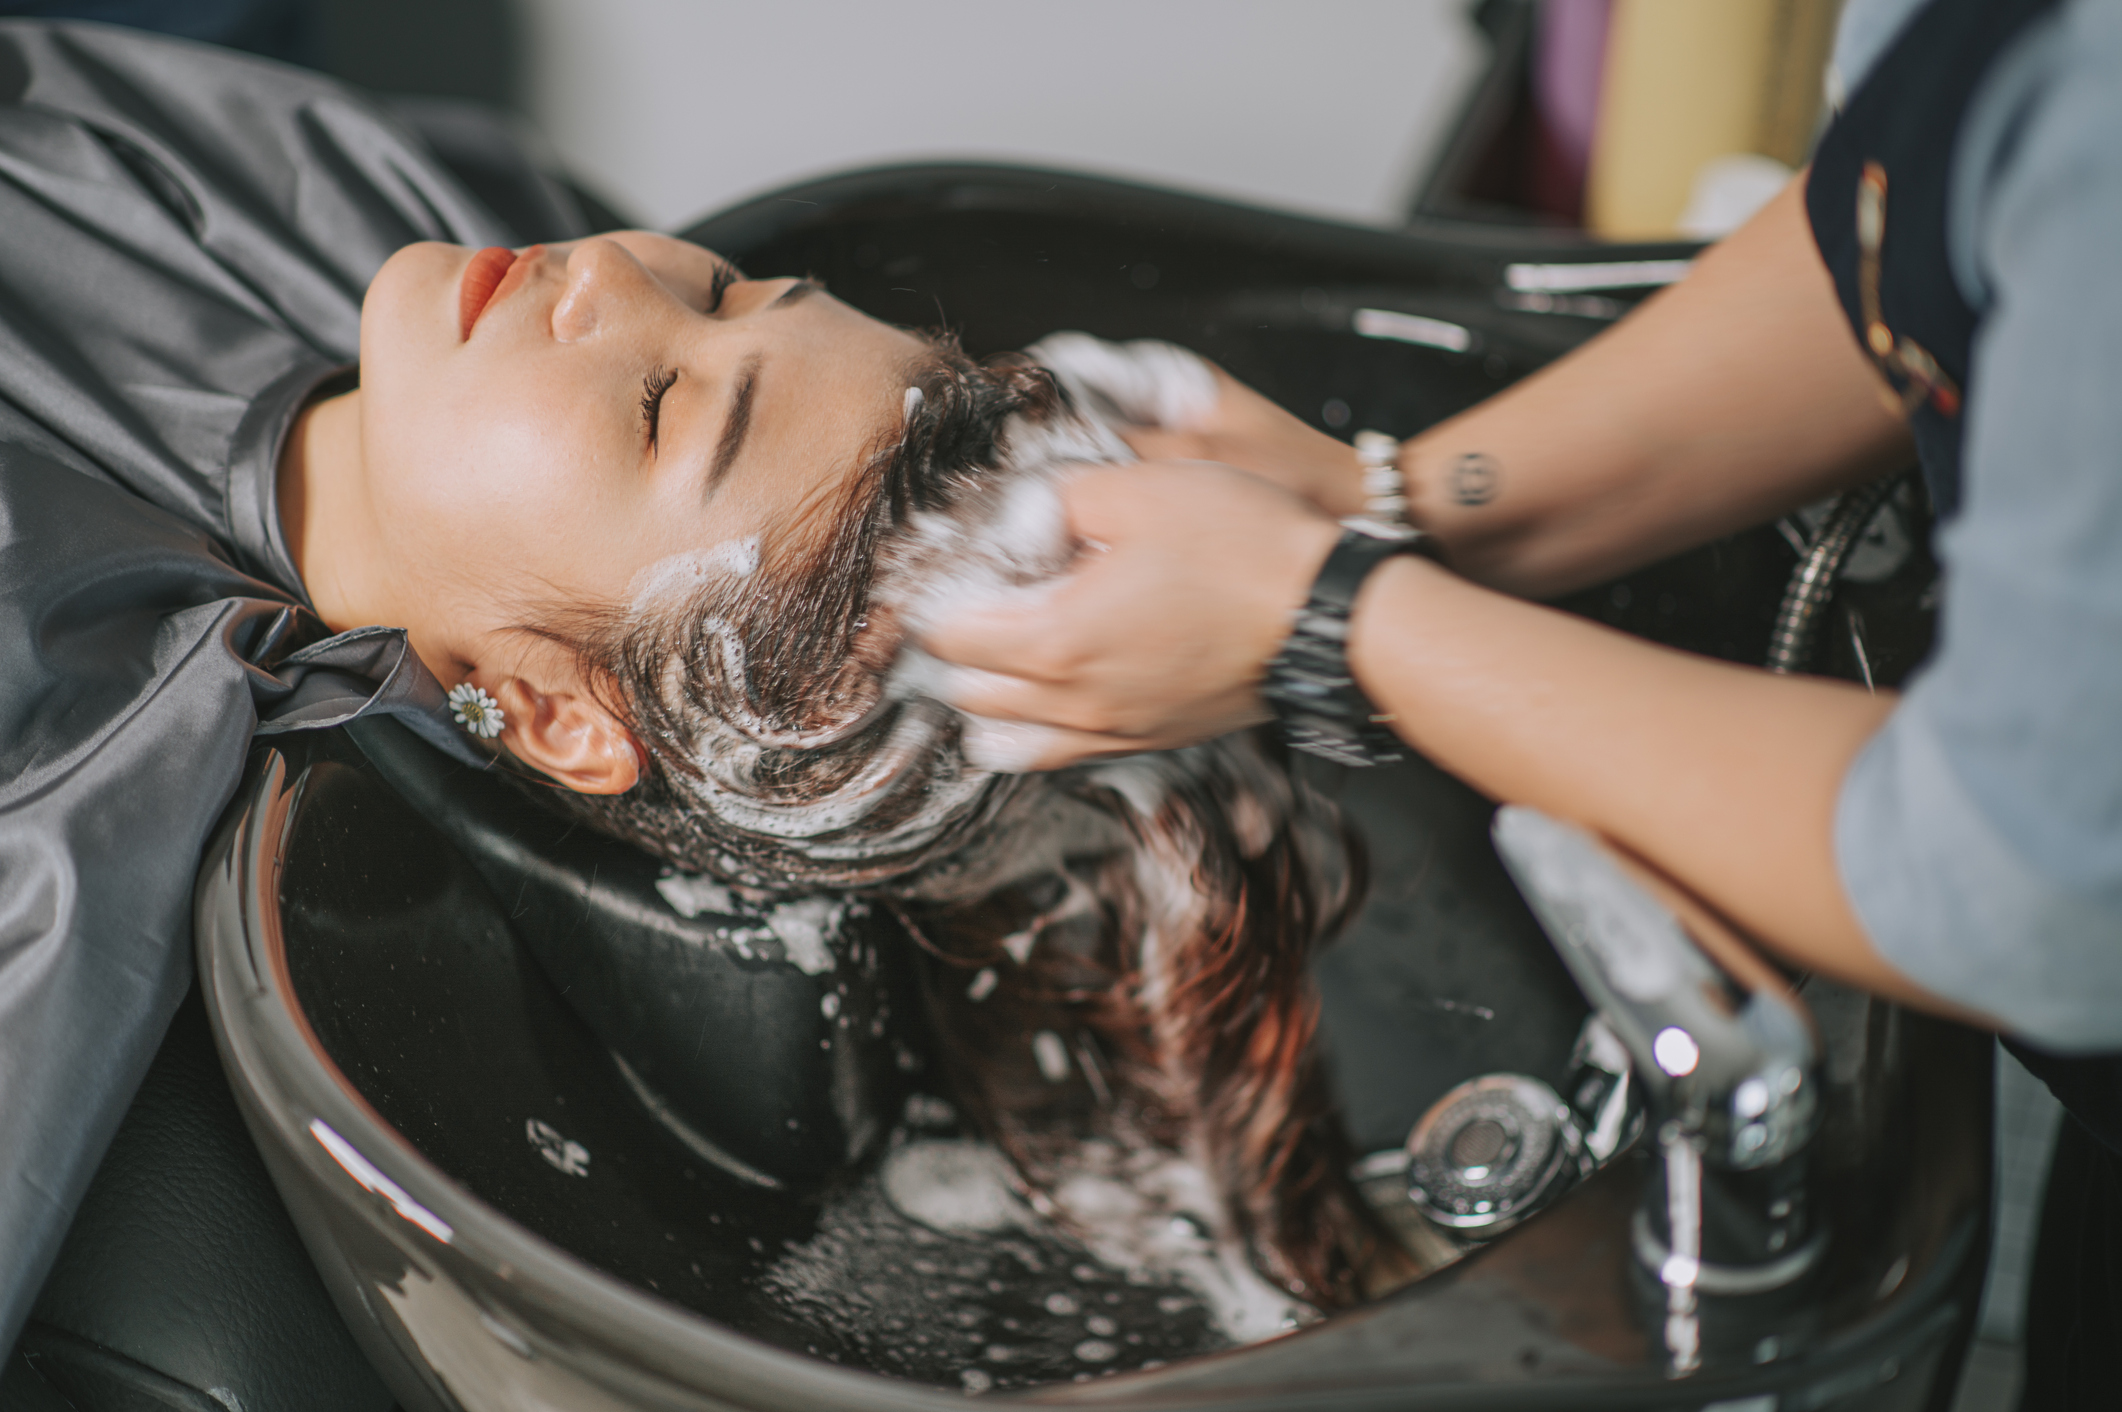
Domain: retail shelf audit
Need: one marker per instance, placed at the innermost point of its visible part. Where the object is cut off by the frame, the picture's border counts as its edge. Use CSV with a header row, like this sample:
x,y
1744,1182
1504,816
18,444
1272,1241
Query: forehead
x,y
830,387
833,375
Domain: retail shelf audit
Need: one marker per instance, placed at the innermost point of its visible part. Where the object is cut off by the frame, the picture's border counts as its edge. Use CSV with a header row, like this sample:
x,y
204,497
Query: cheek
x,y
507,484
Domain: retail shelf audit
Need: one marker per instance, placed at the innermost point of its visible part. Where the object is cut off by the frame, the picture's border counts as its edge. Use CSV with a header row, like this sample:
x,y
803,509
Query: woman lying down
x,y
660,532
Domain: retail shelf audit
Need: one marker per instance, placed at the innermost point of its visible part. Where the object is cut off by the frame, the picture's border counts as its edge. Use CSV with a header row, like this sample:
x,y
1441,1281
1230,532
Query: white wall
x,y
680,106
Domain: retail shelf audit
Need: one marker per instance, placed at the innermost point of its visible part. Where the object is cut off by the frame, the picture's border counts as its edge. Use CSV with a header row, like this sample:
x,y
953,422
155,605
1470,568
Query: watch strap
x,y
1309,685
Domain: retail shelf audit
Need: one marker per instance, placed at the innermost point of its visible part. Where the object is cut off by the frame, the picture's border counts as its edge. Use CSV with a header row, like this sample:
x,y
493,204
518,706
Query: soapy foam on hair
x,y
680,576
1144,383
1196,882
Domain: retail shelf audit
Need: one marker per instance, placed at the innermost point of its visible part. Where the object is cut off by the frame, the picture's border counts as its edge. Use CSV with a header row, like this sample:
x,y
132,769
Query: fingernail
x,y
1004,747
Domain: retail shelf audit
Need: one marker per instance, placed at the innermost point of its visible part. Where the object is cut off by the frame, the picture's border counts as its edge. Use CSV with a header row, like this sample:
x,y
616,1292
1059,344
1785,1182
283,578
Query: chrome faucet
x,y
1726,1057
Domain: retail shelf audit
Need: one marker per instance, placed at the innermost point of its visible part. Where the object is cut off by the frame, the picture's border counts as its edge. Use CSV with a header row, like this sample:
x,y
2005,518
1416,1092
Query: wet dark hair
x,y
1155,915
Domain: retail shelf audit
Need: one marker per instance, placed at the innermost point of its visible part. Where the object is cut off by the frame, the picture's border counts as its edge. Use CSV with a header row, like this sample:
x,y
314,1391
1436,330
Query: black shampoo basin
x,y
501,1215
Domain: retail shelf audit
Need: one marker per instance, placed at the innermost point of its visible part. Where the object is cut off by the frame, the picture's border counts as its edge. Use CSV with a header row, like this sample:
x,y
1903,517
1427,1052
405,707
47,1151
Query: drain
x,y
1479,1144
1490,1153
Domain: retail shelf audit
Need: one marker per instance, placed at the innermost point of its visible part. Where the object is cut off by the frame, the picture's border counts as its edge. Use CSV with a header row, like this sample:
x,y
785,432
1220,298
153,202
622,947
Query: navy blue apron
x,y
1877,198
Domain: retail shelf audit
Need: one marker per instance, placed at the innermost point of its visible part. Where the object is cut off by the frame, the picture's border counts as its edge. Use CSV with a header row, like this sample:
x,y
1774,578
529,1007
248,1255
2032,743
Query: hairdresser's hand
x,y
1253,434
1158,636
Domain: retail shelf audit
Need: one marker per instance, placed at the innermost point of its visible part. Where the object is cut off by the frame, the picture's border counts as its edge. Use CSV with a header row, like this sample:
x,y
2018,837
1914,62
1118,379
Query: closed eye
x,y
653,387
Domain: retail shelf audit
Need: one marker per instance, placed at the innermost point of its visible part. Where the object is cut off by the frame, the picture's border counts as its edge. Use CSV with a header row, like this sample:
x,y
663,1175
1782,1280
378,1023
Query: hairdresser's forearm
x,y
1721,403
1723,777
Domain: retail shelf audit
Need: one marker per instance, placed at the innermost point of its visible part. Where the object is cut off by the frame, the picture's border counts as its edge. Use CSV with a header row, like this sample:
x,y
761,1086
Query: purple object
x,y
1569,59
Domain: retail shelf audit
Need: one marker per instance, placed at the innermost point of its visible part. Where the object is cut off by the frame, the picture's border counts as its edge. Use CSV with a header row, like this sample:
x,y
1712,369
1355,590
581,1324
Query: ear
x,y
569,738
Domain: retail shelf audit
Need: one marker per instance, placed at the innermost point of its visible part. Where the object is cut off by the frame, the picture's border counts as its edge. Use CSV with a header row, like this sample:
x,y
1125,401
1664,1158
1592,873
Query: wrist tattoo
x,y
1475,478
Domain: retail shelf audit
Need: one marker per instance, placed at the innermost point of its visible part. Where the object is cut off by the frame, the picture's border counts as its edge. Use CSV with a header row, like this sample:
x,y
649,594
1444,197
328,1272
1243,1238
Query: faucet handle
x,y
1720,1042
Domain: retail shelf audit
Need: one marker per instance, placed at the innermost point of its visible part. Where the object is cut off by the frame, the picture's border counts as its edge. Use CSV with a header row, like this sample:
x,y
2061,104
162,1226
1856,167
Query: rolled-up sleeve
x,y
1979,834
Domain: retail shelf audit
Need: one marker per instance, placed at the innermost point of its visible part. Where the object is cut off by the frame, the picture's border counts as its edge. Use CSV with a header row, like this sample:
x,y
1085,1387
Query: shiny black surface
x,y
678,998
427,990
419,991
406,966
424,989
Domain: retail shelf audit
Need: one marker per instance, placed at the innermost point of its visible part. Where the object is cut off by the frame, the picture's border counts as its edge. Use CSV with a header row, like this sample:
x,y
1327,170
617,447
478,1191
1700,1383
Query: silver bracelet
x,y
1384,488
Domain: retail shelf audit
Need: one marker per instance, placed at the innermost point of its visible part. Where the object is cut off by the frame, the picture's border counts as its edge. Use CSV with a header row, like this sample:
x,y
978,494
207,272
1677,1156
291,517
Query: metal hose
x,y
1812,582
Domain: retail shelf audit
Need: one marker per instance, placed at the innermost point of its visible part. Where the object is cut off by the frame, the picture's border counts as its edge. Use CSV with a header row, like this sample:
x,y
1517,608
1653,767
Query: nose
x,y
606,287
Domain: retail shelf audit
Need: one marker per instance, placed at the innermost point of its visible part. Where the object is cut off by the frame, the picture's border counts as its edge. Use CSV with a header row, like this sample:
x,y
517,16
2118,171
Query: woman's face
x,y
616,401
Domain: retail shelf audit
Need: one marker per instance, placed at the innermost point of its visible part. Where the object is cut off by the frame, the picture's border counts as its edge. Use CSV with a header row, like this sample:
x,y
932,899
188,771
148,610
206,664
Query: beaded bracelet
x,y
1384,487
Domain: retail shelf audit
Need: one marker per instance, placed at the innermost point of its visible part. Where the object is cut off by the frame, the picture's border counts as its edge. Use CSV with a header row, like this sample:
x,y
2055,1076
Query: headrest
x,y
772,1043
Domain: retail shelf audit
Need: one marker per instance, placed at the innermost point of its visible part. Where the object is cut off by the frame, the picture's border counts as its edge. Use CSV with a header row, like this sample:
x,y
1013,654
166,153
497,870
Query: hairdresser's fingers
x,y
1015,642
1118,722
1158,444
1160,632
1255,435
1020,747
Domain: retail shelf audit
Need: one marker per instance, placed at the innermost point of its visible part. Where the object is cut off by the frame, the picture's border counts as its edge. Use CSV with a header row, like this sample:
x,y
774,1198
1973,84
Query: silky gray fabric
x,y
1979,834
187,236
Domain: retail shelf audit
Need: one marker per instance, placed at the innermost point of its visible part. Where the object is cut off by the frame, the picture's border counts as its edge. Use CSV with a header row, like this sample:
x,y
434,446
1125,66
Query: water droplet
x,y
1097,1350
1060,1305
975,1380
1101,1326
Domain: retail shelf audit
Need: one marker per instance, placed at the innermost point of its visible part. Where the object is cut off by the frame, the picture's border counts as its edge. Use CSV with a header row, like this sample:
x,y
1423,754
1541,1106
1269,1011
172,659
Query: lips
x,y
486,279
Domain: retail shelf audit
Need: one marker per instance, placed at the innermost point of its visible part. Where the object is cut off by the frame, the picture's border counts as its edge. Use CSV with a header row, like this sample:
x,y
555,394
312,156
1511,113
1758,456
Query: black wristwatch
x,y
1309,685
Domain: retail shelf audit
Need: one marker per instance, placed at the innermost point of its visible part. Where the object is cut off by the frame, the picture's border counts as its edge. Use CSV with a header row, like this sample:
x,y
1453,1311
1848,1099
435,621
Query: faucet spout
x,y
1727,1058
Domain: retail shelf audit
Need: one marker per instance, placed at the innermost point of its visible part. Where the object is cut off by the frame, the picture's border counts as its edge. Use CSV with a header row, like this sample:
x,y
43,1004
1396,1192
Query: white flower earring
x,y
476,711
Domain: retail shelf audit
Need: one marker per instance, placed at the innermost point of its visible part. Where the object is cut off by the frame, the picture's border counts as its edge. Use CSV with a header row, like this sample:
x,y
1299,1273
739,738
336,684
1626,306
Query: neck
x,y
323,515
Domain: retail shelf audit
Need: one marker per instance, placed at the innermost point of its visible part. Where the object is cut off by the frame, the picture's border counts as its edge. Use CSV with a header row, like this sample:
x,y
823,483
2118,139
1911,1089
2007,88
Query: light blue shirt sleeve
x,y
1979,835
1864,32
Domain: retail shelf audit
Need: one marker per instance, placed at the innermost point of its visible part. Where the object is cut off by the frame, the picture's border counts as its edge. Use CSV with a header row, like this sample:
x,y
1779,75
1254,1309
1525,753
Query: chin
x,y
412,299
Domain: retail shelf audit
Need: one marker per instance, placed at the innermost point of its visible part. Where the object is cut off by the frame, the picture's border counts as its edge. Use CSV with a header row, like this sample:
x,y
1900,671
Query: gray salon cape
x,y
185,237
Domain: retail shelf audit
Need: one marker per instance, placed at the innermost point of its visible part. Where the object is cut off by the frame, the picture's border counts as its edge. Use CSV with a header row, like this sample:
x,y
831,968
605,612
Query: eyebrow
x,y
736,424
800,289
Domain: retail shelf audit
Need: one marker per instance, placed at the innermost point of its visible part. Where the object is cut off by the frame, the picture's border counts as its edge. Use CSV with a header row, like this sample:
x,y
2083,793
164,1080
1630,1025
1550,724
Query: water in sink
x,y
937,1266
